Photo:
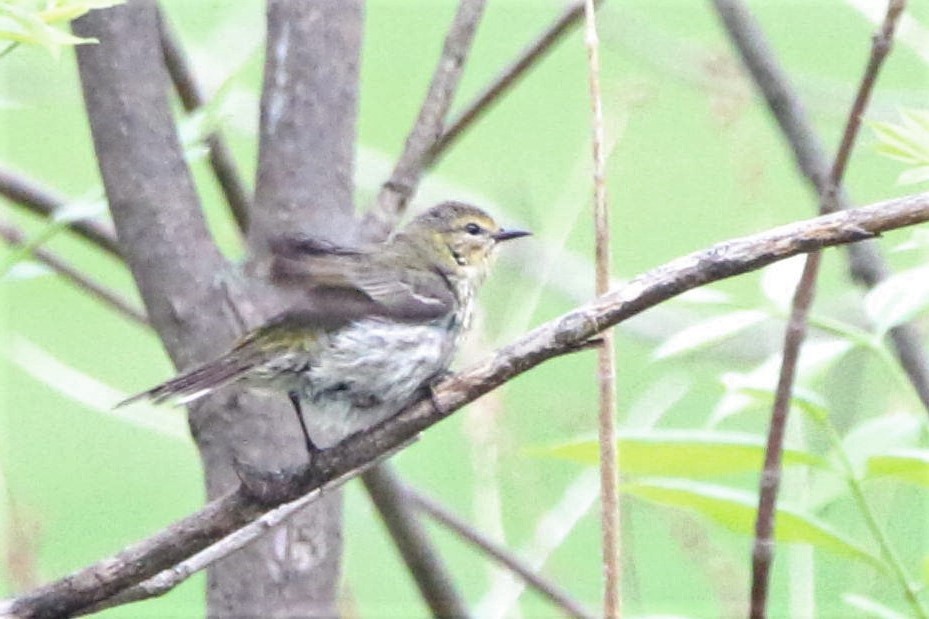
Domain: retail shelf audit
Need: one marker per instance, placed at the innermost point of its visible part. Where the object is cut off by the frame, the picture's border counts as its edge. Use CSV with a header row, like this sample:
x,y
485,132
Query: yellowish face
x,y
467,233
471,239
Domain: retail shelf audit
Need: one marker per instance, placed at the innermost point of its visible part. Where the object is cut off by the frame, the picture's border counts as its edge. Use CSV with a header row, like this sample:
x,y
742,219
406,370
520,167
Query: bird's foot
x,y
430,388
272,487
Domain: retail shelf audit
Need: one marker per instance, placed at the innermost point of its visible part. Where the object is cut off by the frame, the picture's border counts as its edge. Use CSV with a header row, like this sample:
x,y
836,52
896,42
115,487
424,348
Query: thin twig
x,y
15,236
396,192
388,494
909,588
866,265
565,334
507,79
191,95
501,555
606,357
43,201
763,550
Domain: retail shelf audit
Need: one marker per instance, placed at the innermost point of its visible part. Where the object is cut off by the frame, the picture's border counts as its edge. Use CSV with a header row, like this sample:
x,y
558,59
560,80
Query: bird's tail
x,y
199,381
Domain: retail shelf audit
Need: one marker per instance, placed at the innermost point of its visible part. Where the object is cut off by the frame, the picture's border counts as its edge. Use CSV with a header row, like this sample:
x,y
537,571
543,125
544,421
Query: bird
x,y
378,326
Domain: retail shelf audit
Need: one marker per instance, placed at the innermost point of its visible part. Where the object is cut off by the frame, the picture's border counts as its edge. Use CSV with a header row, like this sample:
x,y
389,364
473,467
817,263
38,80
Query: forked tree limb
x,y
797,323
865,263
508,77
560,336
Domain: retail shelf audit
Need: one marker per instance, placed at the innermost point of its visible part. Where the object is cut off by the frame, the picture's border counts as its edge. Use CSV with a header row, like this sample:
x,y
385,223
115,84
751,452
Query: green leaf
x,y
881,435
25,270
914,176
898,298
708,332
67,10
909,465
869,607
736,510
692,454
895,141
815,358
908,141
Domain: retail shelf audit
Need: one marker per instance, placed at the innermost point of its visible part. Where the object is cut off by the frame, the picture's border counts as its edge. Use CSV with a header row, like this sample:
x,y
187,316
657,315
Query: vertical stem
x,y
763,549
606,374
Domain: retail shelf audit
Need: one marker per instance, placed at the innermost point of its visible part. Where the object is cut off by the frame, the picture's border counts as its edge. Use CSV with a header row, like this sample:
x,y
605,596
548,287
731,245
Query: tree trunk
x,y
195,300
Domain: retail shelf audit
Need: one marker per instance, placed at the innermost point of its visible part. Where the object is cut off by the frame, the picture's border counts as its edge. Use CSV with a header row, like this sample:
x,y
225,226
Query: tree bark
x,y
196,301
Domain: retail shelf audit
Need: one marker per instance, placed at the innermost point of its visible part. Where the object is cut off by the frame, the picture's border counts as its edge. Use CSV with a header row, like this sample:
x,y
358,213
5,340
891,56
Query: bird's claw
x,y
270,487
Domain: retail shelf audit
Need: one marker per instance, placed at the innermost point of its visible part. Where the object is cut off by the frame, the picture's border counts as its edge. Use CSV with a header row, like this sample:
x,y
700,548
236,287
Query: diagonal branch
x,y
397,190
191,95
435,584
506,80
15,236
866,264
560,336
501,555
43,201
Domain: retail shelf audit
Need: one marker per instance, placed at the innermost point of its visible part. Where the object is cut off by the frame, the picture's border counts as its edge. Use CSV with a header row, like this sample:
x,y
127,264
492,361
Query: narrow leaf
x,y
708,332
736,510
898,298
692,454
909,465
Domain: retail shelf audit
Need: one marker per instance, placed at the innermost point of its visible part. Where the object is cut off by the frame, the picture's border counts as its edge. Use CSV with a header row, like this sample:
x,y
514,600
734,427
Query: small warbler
x,y
379,325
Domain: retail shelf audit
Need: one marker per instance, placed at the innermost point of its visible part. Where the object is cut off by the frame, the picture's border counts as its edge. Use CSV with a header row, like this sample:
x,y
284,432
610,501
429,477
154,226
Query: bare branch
x,y
419,553
563,335
763,549
191,95
14,236
396,192
866,265
610,520
43,201
500,554
506,80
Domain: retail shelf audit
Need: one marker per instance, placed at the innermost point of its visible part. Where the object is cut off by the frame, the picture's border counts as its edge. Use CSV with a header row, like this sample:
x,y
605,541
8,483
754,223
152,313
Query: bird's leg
x,y
311,447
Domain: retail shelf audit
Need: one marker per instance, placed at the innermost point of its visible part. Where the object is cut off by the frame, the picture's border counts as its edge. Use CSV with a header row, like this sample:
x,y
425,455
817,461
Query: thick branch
x,y
150,190
309,105
43,201
396,192
191,95
563,335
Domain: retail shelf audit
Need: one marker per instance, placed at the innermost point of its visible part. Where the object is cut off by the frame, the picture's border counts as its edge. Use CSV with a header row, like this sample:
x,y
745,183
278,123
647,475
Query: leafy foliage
x,y
44,23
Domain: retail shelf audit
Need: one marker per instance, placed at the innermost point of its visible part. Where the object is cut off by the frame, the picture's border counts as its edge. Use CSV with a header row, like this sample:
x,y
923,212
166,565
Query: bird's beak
x,y
506,235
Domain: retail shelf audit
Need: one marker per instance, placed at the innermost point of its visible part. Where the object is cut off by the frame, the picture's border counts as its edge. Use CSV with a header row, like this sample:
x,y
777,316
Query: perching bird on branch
x,y
383,324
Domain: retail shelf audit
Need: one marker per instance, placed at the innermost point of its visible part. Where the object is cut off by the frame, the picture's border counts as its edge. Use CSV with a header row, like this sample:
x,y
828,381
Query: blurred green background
x,y
696,160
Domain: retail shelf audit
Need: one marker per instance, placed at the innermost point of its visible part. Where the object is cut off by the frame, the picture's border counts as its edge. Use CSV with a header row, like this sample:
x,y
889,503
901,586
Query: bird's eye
x,y
473,228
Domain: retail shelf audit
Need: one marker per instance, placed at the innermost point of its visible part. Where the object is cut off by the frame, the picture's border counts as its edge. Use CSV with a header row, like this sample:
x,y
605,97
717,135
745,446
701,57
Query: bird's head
x,y
457,237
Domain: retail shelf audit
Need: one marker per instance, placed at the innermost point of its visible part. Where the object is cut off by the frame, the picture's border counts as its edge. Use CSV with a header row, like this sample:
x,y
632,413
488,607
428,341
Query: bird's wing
x,y
346,284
